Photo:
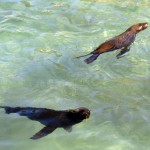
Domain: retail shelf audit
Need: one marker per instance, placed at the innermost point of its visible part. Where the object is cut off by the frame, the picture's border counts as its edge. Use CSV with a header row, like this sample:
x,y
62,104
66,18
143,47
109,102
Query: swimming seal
x,y
52,119
122,41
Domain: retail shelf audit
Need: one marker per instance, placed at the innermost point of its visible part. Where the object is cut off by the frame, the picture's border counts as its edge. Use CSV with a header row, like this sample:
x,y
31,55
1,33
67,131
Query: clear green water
x,y
38,43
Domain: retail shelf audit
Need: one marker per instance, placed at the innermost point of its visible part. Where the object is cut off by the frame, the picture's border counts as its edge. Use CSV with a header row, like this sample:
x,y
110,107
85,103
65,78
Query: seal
x,y
122,41
51,119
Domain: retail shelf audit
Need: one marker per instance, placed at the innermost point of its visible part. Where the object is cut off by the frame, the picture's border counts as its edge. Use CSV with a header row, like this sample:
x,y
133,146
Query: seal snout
x,y
145,25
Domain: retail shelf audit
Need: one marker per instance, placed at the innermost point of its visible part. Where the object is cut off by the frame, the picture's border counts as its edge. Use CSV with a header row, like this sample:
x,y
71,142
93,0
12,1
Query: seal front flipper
x,y
68,128
123,51
45,131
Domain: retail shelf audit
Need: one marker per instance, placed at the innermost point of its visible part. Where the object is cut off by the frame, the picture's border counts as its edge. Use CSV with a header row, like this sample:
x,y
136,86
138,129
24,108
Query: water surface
x,y
39,41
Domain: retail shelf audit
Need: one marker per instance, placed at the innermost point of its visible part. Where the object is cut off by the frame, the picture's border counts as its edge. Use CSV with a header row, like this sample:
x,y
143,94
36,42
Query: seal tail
x,y
83,55
91,58
9,110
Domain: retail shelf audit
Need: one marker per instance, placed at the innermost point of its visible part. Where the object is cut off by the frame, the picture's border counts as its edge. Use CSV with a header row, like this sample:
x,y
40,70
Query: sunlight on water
x,y
38,46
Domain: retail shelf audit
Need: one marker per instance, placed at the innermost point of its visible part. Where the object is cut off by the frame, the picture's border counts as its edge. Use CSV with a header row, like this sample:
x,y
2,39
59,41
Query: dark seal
x,y
52,119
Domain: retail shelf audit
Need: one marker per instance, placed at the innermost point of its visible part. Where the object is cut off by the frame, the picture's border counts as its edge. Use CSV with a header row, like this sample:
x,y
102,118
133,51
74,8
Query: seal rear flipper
x,y
43,132
82,56
68,128
9,110
91,58
22,111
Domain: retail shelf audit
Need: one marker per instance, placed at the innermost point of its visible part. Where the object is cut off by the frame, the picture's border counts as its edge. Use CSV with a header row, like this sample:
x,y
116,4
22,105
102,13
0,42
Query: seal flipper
x,y
91,58
43,132
68,128
123,51
9,110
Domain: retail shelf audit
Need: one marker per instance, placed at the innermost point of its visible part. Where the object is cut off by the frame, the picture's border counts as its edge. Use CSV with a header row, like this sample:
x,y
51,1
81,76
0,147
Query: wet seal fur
x,y
122,41
52,119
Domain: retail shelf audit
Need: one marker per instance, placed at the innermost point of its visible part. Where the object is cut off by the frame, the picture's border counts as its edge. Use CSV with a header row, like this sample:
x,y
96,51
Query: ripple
x,y
37,48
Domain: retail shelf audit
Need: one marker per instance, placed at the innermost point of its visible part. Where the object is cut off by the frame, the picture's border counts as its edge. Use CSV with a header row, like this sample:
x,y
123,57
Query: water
x,y
39,41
